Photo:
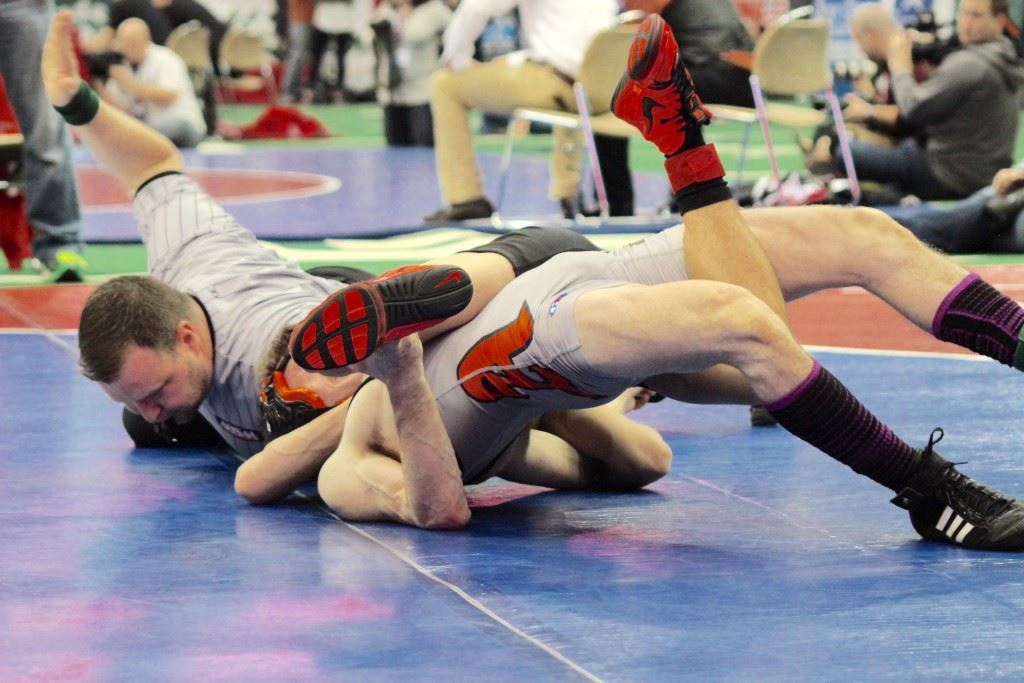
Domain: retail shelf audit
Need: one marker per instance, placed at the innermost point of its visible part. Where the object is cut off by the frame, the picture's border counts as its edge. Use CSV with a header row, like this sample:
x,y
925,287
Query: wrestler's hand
x,y
636,398
59,65
1007,180
393,359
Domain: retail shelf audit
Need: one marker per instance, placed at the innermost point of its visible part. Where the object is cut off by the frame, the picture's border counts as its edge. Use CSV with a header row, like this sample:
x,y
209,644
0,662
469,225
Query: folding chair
x,y
191,42
243,51
603,64
791,59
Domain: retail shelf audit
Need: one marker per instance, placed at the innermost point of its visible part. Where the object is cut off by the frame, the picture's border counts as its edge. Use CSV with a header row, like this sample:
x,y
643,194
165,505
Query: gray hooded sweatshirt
x,y
969,109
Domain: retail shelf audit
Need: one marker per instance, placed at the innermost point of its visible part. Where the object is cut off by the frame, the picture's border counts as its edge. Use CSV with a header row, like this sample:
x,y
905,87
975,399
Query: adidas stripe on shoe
x,y
949,507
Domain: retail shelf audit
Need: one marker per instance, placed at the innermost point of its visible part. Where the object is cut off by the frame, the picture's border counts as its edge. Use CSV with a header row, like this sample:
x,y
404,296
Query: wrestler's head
x,y
149,347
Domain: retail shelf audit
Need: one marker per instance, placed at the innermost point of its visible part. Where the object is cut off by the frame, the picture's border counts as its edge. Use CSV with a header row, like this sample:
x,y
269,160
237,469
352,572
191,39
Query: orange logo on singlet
x,y
497,350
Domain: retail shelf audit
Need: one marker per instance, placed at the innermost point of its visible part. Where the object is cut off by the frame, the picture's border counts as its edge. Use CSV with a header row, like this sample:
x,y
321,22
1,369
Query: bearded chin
x,y
202,382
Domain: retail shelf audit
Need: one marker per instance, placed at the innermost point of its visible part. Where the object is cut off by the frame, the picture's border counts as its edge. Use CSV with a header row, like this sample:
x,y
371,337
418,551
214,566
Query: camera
x,y
932,48
99,63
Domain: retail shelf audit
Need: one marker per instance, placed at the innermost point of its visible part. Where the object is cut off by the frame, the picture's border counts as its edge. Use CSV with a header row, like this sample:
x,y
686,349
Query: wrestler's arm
x,y
292,459
395,461
129,150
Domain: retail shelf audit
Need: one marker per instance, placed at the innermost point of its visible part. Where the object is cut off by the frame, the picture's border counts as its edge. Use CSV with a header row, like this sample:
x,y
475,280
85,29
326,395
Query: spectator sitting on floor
x,y
991,219
156,88
871,26
968,109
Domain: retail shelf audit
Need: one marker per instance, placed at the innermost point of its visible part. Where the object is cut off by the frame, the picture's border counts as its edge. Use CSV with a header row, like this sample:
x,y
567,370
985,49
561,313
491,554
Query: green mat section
x,y
107,260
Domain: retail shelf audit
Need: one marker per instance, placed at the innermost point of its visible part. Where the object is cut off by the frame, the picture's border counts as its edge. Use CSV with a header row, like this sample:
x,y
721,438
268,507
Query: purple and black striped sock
x,y
822,412
976,316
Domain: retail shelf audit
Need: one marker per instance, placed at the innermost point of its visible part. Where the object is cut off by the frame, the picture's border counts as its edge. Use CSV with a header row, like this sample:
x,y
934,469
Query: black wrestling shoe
x,y
949,507
350,324
760,417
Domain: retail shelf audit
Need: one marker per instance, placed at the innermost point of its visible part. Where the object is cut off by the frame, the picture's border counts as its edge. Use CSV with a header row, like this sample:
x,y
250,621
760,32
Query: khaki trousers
x,y
497,87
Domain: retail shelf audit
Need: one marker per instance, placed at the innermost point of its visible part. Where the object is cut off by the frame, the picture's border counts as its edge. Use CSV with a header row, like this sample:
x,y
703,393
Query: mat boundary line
x,y
464,596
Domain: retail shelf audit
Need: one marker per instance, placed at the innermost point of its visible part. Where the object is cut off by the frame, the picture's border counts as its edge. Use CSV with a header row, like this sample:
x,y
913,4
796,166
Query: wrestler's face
x,y
975,23
160,384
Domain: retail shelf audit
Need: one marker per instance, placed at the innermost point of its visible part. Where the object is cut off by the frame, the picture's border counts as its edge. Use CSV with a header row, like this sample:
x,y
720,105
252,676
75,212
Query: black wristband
x,y
82,108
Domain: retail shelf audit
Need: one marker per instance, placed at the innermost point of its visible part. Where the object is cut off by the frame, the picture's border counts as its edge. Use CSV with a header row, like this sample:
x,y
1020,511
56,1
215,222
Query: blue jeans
x,y
298,54
47,173
905,165
959,228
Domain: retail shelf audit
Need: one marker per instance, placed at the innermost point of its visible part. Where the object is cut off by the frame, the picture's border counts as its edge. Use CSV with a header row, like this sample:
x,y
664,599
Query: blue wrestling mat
x,y
379,192
757,558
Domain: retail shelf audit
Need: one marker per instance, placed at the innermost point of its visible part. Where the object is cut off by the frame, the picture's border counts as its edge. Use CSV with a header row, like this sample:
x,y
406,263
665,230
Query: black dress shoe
x,y
1002,210
463,211
570,209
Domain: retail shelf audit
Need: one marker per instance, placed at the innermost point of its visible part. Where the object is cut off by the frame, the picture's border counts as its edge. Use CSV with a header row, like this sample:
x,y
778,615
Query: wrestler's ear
x,y
185,334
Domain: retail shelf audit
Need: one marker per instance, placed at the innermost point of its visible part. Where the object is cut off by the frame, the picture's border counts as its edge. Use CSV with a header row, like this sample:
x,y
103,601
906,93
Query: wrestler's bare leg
x,y
812,248
489,273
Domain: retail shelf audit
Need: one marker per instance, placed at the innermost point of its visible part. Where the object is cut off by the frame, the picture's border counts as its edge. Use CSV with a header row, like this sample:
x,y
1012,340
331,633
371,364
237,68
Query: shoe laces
x,y
691,108
972,500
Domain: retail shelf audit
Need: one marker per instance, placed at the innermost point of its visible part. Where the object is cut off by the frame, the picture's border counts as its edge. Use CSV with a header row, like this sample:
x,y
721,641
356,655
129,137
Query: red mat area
x,y
54,307
846,318
853,318
98,190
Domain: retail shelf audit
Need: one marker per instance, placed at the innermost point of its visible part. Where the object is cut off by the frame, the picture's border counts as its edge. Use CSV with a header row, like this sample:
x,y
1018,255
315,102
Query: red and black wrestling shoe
x,y
351,323
656,95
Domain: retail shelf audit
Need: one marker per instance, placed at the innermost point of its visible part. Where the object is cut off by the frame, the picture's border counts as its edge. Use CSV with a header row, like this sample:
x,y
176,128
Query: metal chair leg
x,y
762,116
506,164
844,145
583,107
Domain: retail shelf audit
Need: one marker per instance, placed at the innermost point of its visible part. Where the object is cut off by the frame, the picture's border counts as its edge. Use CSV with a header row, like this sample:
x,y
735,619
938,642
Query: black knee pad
x,y
531,246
